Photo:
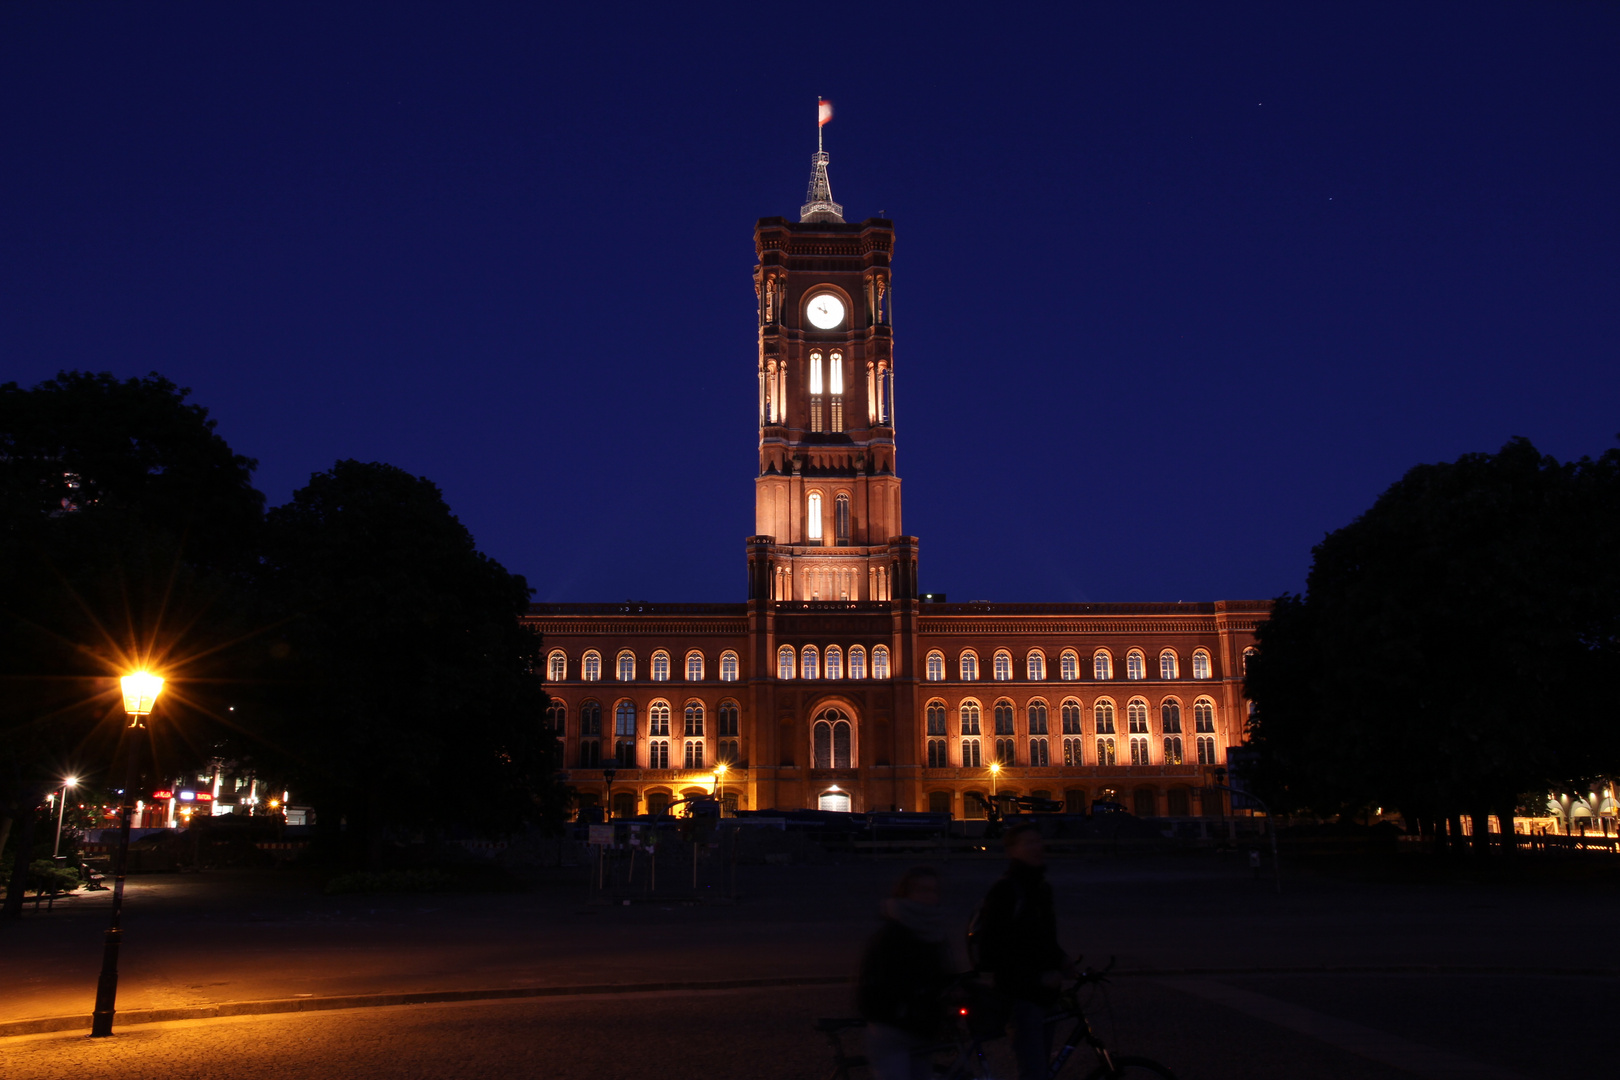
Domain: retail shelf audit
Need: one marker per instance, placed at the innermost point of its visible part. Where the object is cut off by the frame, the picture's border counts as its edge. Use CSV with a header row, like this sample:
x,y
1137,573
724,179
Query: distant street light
x,y
995,771
71,781
720,783
141,691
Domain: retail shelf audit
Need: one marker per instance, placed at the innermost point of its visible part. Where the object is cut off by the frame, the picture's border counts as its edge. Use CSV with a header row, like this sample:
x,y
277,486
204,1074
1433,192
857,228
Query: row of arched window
x,y
689,732
965,746
624,666
1070,666
811,662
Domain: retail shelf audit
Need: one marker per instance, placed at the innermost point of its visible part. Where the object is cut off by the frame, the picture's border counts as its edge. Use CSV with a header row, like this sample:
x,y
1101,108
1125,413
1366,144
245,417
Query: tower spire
x,y
818,201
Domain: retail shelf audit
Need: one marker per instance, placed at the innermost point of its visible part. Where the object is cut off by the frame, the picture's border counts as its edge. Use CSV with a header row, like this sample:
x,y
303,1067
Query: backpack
x,y
976,929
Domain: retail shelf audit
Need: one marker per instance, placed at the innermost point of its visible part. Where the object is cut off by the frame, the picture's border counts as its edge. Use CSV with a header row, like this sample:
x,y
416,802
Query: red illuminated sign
x,y
162,794
203,796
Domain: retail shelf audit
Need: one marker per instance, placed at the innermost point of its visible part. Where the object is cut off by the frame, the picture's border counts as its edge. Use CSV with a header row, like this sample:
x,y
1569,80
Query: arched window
x,y
1139,750
1070,716
1035,712
728,667
694,720
1170,716
1168,667
1102,714
1039,754
1035,666
1004,717
694,753
557,718
809,663
1073,751
835,662
730,720
694,667
1204,716
1102,665
590,666
812,516
590,734
832,736
1069,666
657,718
1001,665
660,666
624,734
1135,665
657,753
1004,752
557,666
880,661
1172,749
1206,750
969,713
968,666
936,666
815,373
1248,654
841,517
857,662
972,758
627,667
936,718
1136,715
1107,753
938,758
784,662
1200,664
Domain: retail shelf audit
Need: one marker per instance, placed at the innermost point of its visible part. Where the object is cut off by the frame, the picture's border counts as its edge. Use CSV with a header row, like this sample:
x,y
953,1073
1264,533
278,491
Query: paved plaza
x,y
1343,975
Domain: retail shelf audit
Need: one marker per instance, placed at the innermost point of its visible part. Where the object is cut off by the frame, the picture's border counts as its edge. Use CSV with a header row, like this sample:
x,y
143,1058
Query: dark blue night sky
x,y
1179,288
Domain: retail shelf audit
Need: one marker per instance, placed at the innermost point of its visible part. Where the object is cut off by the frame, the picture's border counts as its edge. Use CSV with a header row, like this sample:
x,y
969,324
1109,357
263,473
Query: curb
x,y
46,1024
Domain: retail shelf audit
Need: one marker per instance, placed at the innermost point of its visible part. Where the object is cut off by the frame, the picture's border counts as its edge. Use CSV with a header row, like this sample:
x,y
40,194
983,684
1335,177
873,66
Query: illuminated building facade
x,y
838,684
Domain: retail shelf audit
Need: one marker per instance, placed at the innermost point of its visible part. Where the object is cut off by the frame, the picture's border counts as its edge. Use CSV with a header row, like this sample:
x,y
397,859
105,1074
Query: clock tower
x,y
827,497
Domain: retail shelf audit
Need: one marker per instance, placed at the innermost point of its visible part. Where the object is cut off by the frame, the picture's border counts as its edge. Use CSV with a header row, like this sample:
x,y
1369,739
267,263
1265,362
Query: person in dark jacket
x,y
903,977
1016,941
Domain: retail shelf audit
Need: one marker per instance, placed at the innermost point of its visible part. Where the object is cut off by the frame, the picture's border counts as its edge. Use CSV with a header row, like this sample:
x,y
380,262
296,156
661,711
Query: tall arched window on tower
x,y
728,667
835,387
809,663
784,662
834,662
936,666
857,662
880,661
841,517
812,516
816,393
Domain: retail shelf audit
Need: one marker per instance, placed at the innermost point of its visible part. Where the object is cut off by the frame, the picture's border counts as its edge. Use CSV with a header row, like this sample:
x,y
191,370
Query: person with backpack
x,y
904,973
1013,937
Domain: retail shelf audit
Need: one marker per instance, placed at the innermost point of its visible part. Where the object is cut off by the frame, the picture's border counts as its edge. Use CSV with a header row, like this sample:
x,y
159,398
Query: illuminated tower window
x,y
816,394
835,386
857,662
841,517
812,516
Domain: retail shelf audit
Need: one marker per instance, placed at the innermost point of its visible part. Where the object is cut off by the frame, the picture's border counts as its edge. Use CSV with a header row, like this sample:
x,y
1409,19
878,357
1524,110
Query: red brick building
x,y
837,684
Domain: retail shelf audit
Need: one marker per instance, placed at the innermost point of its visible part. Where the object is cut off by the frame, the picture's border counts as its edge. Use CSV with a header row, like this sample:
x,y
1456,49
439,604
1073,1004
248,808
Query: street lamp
x,y
610,769
141,691
995,771
71,781
720,783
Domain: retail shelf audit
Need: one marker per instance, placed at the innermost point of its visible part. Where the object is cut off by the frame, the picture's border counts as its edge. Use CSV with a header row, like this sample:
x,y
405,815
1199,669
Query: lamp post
x,y
71,781
610,769
995,771
140,693
1271,820
720,784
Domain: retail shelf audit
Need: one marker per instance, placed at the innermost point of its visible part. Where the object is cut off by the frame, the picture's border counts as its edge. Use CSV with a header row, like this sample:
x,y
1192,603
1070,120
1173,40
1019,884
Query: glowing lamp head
x,y
141,692
995,766
722,768
70,781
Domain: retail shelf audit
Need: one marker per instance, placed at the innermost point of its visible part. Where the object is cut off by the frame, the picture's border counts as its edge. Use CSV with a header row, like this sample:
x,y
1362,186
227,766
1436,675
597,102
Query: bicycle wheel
x,y
1132,1068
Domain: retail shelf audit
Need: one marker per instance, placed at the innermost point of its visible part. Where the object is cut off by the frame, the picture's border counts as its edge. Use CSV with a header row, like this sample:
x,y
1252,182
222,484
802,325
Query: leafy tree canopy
x,y
1454,646
407,692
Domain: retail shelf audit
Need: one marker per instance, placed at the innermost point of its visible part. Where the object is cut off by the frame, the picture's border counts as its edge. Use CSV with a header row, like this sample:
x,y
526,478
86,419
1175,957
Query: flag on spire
x,y
823,112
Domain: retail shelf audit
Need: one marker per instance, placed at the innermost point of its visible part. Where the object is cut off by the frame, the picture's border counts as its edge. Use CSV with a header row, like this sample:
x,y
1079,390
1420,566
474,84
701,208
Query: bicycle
x,y
968,1062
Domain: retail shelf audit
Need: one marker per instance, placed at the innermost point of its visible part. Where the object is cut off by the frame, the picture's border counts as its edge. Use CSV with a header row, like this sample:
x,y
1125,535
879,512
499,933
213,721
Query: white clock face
x,y
825,311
